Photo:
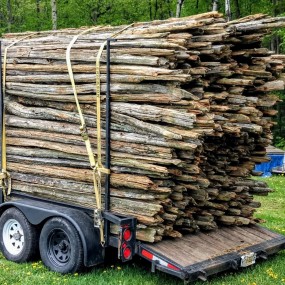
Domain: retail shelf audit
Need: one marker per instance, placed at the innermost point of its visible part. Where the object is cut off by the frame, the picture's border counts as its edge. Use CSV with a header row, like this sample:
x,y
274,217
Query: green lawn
x,y
269,272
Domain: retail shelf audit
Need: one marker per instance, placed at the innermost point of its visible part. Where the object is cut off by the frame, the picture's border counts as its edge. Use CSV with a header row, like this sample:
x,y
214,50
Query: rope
x,y
5,176
96,167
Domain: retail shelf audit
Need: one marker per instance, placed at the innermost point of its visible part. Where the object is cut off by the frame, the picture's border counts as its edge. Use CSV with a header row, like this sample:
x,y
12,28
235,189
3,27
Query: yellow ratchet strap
x,y
4,175
97,167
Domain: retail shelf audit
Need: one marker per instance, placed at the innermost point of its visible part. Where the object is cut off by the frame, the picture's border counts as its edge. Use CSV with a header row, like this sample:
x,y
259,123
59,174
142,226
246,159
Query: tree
x,y
38,11
9,15
99,10
228,9
278,8
150,9
179,7
23,15
215,5
170,11
237,9
54,14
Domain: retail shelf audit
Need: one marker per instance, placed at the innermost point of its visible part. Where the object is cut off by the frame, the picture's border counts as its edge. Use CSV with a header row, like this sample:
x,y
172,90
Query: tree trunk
x,y
275,40
38,10
156,9
197,4
150,9
215,5
179,8
275,43
228,9
54,14
238,13
9,17
170,12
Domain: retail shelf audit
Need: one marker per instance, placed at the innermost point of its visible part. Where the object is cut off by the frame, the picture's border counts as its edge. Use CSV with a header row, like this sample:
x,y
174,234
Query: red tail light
x,y
127,235
127,243
127,253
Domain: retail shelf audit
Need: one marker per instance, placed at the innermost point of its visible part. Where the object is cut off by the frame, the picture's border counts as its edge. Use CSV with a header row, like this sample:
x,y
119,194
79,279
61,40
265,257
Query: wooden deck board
x,y
254,234
190,249
218,242
235,237
194,248
245,235
263,232
181,245
228,238
224,239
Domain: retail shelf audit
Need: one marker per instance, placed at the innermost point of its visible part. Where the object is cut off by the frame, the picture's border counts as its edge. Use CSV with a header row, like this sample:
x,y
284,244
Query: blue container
x,y
266,167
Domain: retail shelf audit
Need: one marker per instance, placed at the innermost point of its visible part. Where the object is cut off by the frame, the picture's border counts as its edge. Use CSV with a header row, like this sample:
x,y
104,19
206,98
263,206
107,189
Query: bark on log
x,y
191,115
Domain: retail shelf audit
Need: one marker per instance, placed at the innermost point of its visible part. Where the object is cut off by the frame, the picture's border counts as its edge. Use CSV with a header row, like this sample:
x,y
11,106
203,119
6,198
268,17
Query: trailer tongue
x,y
203,254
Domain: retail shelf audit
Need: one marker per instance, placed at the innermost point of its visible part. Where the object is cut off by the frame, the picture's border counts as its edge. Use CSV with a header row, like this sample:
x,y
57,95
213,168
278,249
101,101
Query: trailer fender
x,y
38,212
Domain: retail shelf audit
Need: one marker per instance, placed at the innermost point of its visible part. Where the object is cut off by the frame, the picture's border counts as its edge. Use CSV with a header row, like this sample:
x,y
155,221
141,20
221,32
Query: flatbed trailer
x,y
192,257
68,237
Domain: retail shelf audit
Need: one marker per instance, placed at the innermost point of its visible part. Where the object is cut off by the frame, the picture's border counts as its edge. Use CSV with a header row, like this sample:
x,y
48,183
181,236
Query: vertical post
x,y
1,117
107,142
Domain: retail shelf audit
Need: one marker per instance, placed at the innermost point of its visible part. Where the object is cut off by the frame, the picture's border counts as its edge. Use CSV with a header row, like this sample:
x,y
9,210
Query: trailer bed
x,y
197,256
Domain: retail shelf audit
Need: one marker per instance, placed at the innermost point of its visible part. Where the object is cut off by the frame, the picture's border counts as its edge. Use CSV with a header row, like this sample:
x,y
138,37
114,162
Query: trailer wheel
x,y
60,246
18,238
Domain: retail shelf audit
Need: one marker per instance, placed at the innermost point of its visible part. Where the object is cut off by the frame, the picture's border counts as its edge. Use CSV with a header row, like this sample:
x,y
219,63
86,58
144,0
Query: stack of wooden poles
x,y
191,113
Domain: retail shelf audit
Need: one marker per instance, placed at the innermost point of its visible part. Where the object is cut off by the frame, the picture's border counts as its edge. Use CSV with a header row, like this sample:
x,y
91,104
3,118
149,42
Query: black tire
x,y
60,246
18,237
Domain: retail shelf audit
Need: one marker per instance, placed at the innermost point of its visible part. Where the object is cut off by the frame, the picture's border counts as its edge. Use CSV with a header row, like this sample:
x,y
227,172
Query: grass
x,y
270,272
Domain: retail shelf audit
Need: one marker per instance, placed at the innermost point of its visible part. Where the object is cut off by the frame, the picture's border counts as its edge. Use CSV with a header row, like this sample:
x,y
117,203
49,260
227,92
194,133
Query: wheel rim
x,y
13,237
59,249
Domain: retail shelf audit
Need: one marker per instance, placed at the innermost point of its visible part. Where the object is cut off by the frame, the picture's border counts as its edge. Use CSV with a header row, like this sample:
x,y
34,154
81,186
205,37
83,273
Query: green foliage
x,y
280,94
280,142
36,14
279,129
281,35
